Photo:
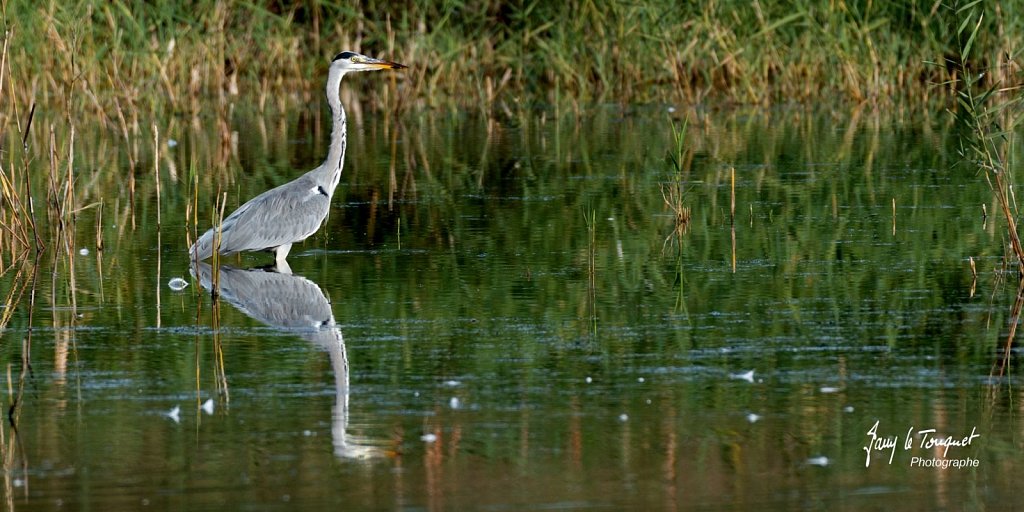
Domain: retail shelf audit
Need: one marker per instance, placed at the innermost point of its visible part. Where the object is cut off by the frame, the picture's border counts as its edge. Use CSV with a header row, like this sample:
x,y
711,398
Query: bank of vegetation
x,y
113,56
131,69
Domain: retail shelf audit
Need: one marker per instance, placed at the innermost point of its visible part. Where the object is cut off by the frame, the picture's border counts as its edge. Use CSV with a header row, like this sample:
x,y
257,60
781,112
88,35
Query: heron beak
x,y
384,64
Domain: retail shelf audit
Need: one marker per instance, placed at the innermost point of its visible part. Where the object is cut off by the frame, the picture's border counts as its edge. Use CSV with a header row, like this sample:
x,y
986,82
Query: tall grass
x,y
123,64
120,60
674,192
987,115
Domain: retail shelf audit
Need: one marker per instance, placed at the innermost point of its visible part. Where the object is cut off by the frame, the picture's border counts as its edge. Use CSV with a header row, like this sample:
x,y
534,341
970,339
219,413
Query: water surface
x,y
501,314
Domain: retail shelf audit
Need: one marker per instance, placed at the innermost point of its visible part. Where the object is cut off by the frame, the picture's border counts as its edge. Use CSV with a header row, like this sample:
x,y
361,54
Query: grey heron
x,y
289,213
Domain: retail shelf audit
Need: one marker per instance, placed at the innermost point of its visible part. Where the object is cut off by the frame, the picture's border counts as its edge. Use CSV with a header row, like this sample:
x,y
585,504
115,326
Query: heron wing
x,y
282,215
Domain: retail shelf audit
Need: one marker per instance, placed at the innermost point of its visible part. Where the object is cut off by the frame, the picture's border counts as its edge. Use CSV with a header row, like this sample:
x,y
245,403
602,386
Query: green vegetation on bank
x,y
116,56
73,73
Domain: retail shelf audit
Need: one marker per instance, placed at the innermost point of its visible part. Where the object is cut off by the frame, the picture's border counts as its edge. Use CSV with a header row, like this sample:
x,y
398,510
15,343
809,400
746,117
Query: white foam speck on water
x,y
589,380
208,406
454,403
747,376
452,383
829,389
623,417
753,418
177,284
83,251
428,438
818,461
174,414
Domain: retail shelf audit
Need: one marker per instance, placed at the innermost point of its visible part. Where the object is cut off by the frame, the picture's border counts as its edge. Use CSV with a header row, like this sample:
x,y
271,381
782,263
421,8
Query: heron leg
x,y
282,267
282,252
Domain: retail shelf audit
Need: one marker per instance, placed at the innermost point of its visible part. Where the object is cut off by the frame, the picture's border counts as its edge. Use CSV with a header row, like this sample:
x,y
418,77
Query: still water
x,y
502,314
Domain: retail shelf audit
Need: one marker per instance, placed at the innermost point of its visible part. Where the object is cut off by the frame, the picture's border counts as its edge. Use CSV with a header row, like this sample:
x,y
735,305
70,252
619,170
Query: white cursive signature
x,y
877,443
928,440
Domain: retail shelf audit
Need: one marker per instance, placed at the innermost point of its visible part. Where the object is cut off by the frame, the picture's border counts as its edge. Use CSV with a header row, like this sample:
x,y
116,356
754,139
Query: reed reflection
x,y
294,303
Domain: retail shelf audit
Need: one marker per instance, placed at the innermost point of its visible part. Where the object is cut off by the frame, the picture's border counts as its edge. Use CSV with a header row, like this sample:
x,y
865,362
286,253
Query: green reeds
x,y
155,57
22,231
987,116
674,192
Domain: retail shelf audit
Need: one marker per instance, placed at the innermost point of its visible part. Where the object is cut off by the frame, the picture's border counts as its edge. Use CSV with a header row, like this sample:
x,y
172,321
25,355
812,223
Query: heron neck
x,y
335,160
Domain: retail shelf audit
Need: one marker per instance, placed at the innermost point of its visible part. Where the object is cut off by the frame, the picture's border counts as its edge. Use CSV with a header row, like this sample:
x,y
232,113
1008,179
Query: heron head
x,y
352,61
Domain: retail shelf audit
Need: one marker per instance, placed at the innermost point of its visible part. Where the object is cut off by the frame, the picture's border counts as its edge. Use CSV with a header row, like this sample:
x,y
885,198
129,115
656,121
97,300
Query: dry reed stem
x,y
1000,366
14,411
99,227
220,373
3,59
69,207
732,195
591,222
159,274
198,358
733,236
894,216
1011,223
156,172
673,196
8,450
215,259
14,296
31,217
16,224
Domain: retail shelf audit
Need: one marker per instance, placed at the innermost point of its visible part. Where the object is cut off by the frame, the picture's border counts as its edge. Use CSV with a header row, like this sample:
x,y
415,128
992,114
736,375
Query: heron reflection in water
x,y
297,304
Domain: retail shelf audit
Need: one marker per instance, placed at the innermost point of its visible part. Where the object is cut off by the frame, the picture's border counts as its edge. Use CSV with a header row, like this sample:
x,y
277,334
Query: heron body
x,y
281,216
